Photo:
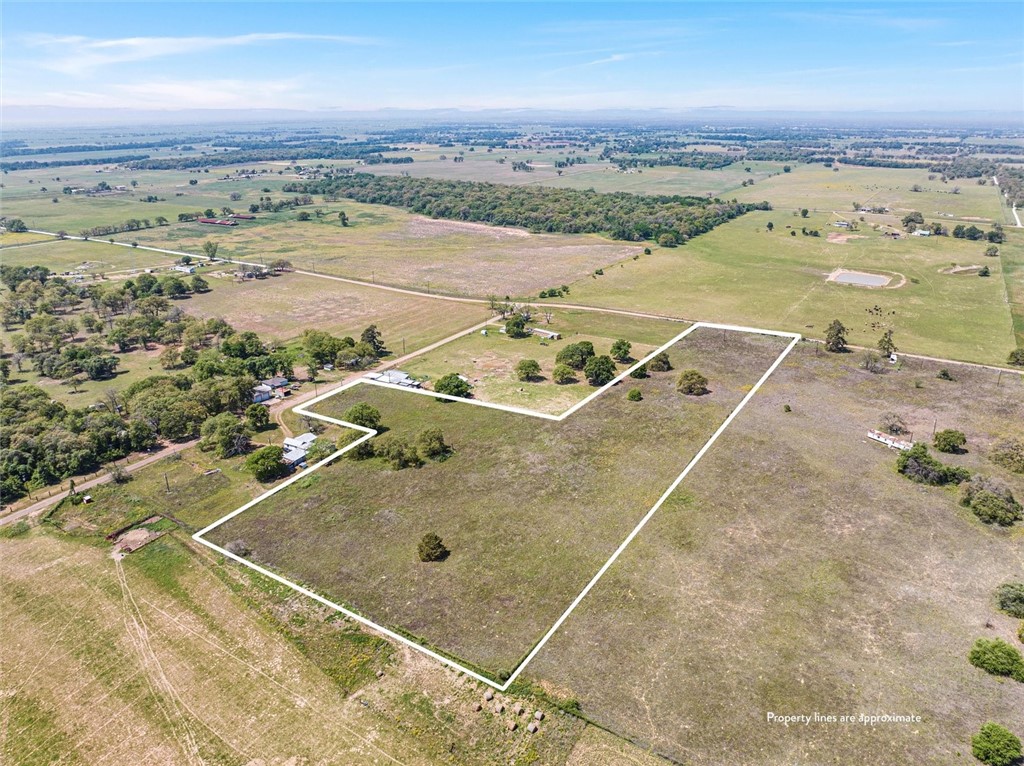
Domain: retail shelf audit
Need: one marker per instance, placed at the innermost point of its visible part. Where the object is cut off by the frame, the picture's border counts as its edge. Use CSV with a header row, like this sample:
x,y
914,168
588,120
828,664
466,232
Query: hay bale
x,y
512,725
539,715
488,695
533,727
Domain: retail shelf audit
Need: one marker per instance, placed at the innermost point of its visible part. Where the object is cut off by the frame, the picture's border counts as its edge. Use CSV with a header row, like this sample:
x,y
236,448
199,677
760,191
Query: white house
x,y
261,393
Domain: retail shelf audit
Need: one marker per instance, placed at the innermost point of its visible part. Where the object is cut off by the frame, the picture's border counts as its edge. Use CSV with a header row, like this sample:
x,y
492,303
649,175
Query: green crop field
x,y
795,571
489,361
529,508
87,258
743,274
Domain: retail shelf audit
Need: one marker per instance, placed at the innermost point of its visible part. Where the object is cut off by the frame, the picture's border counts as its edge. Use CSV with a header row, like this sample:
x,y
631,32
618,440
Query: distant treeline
x,y
69,148
37,165
1011,183
700,160
631,217
264,151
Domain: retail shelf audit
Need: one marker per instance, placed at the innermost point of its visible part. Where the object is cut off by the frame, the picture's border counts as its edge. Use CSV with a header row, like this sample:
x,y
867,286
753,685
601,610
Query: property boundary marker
x,y
369,433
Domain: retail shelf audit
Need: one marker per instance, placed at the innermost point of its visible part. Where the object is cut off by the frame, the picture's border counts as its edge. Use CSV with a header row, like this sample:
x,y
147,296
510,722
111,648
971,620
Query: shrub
x,y
872,362
430,445
575,355
562,374
1009,453
893,424
786,408
1010,598
635,395
692,383
640,372
997,658
944,374
950,441
452,385
991,501
398,453
917,465
995,745
515,327
17,529
239,548
1016,357
431,548
528,369
599,370
660,363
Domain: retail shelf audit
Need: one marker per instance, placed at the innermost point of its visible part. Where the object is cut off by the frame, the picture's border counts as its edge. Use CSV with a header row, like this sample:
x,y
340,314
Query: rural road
x,y
42,505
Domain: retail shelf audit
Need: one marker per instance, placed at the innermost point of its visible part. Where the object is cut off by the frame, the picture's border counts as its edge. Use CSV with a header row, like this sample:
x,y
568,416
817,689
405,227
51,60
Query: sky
x,y
798,55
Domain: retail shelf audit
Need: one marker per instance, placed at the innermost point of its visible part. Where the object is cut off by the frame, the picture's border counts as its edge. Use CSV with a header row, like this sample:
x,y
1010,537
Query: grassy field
x,y
743,274
390,246
282,307
529,508
489,361
92,257
796,572
173,657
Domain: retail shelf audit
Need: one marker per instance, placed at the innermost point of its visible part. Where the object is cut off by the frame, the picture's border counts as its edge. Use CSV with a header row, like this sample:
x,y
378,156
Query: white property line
x,y
369,433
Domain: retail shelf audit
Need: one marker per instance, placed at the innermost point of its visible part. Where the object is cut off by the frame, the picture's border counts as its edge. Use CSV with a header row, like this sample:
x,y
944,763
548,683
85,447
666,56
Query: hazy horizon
x,y
664,58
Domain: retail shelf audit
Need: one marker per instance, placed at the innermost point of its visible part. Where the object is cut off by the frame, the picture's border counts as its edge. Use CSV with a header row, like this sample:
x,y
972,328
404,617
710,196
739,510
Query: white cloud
x,y
186,94
75,55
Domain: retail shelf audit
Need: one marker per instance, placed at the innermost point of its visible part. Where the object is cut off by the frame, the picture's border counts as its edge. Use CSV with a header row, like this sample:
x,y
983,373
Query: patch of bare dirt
x,y
841,239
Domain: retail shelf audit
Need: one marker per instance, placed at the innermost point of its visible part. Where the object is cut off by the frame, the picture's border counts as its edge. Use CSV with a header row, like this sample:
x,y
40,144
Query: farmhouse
x,y
922,233
394,377
842,224
296,448
276,382
218,221
549,334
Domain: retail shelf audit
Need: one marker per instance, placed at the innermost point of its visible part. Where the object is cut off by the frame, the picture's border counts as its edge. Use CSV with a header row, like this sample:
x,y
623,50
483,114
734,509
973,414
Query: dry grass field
x,y
530,509
795,571
282,307
171,657
392,247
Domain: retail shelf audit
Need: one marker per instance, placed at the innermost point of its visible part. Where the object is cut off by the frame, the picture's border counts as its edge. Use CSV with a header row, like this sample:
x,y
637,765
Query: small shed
x,y
549,334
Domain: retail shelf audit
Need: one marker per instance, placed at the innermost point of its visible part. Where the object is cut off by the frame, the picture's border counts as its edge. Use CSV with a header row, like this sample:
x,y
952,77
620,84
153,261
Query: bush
x,y
431,548
991,501
1009,453
562,374
692,383
786,408
998,658
950,441
576,355
944,374
599,370
635,395
528,369
515,327
893,424
1010,598
660,363
452,385
1016,357
430,445
639,373
265,463
17,529
917,465
995,745
398,453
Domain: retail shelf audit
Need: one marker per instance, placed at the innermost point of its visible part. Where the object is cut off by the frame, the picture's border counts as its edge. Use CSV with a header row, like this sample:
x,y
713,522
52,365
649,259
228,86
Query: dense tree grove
x,y
624,216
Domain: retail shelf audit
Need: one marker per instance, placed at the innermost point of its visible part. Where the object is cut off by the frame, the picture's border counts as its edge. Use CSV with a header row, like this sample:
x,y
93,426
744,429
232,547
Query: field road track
x,y
42,505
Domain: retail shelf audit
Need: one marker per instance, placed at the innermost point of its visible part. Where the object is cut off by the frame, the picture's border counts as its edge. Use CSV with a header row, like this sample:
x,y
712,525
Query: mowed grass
x,y
282,307
796,572
530,509
489,361
392,247
740,273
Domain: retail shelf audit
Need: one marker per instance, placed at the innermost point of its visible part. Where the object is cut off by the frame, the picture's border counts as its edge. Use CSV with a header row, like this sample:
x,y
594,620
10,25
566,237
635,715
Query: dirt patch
x,y
838,274
429,227
961,270
841,239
